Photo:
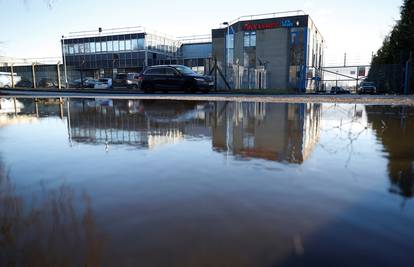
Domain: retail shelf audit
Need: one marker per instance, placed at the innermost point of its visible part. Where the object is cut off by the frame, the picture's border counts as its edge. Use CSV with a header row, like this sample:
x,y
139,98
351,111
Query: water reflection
x,y
394,127
207,184
47,229
277,132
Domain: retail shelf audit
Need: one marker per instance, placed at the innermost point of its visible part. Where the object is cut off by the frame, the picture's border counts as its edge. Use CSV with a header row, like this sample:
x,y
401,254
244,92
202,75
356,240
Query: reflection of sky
x,y
208,197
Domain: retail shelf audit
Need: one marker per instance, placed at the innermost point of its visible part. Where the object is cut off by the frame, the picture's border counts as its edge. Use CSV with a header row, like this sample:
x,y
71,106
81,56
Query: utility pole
x,y
226,40
12,75
345,60
64,61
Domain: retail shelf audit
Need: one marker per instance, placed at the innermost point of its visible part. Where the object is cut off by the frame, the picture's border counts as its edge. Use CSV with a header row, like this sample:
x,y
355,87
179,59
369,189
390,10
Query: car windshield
x,y
185,70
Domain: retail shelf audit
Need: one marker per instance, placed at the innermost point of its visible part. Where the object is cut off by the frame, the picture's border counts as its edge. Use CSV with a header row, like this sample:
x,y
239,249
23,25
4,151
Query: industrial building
x,y
278,51
104,53
268,51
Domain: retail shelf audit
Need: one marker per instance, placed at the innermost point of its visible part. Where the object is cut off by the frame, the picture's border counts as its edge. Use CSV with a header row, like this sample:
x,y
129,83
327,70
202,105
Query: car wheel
x,y
134,87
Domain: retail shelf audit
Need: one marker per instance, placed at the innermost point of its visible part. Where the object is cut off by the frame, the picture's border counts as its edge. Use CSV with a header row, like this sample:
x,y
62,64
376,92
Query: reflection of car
x,y
336,90
129,80
24,84
104,83
367,88
174,78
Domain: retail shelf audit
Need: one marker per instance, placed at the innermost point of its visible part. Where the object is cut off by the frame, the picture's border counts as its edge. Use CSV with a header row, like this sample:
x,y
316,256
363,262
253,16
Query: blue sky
x,y
32,28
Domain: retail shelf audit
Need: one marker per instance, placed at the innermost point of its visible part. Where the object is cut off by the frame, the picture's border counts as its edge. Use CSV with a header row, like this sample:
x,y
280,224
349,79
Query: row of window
x,y
107,46
117,46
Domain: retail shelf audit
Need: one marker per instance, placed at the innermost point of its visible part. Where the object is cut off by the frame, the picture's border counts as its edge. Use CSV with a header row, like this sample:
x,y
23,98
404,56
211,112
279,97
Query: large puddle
x,y
87,182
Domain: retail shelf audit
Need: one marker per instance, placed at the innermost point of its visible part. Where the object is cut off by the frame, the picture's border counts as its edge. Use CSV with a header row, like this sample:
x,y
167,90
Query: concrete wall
x,y
218,48
273,47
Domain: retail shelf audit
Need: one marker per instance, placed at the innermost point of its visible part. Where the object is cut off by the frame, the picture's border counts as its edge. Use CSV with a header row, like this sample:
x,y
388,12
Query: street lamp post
x,y
64,61
226,54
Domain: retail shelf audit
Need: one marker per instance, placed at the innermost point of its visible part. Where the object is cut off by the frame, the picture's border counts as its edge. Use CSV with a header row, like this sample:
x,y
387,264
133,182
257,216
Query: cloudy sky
x,y
32,28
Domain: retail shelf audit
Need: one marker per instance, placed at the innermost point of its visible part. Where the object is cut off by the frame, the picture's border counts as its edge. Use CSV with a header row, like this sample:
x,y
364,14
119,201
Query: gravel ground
x,y
351,99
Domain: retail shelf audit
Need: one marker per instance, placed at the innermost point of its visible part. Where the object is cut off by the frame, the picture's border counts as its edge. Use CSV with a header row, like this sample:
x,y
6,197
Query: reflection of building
x,y
145,124
279,132
14,110
395,129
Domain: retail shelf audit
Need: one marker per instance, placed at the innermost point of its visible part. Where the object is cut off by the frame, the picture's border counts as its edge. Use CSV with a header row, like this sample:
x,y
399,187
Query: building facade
x,y
287,51
277,51
104,53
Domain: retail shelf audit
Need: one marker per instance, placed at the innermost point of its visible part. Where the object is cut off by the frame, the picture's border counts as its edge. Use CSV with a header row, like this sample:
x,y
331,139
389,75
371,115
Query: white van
x,y
6,80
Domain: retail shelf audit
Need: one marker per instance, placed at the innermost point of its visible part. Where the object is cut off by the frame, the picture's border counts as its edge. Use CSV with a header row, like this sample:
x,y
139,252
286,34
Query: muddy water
x,y
161,183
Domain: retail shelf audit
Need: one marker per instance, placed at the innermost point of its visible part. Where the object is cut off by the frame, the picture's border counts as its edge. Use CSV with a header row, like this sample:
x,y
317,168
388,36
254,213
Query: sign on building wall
x,y
285,23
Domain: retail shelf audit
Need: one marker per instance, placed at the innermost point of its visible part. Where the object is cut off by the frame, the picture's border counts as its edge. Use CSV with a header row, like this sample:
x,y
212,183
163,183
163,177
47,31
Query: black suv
x,y
174,78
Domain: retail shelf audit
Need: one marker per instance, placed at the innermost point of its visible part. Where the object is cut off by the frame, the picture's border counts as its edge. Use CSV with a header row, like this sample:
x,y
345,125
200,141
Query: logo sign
x,y
261,26
287,23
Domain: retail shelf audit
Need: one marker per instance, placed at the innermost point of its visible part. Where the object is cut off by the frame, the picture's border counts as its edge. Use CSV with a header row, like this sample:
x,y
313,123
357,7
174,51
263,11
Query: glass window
x,y
249,39
87,48
141,43
103,46
71,50
76,48
81,49
253,39
121,45
98,47
65,49
109,46
170,72
116,45
128,44
134,44
92,47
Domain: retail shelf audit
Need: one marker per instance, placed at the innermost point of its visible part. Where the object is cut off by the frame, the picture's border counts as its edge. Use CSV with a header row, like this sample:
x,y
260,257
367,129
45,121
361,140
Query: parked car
x,y
104,83
88,82
174,78
24,84
336,90
47,83
6,80
367,88
130,80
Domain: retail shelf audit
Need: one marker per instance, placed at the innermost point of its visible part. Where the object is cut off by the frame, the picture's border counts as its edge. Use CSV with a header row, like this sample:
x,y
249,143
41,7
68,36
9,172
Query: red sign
x,y
262,26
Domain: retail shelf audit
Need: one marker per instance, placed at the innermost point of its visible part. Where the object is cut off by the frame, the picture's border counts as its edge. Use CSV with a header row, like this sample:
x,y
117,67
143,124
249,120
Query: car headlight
x,y
200,80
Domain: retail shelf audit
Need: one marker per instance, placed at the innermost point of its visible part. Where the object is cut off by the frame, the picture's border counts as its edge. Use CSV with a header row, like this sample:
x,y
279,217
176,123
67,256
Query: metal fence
x,y
45,73
388,78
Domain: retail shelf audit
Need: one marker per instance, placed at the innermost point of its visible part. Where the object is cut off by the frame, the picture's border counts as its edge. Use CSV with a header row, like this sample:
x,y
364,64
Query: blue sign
x,y
287,23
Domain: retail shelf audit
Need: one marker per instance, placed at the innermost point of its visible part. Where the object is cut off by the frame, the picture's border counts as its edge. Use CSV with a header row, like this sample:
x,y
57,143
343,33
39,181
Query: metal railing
x,y
193,39
267,16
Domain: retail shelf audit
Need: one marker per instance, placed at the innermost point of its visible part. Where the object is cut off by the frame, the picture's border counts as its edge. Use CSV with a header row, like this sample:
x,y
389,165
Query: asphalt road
x,y
128,94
